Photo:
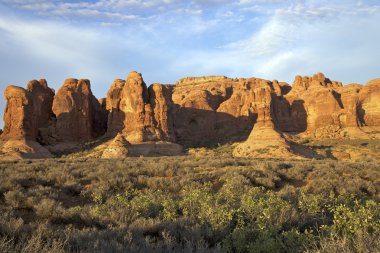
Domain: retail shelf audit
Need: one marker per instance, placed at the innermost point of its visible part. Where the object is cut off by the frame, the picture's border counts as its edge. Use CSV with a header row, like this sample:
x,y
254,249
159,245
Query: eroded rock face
x,y
18,121
196,102
301,84
103,103
42,97
323,108
217,108
79,114
116,116
160,99
27,110
264,139
316,107
369,104
134,104
141,115
196,110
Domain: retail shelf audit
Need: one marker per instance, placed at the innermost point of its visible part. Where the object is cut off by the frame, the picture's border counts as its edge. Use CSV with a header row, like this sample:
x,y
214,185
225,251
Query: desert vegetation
x,y
189,204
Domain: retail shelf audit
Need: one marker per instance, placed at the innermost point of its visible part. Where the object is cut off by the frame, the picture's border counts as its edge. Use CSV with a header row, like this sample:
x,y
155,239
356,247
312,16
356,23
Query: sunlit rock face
x,y
141,114
369,104
265,116
27,110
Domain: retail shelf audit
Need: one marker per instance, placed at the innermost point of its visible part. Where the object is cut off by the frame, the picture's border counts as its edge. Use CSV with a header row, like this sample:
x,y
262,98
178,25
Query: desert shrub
x,y
149,203
264,209
359,242
188,204
313,204
116,209
41,240
262,223
288,192
47,208
349,218
16,199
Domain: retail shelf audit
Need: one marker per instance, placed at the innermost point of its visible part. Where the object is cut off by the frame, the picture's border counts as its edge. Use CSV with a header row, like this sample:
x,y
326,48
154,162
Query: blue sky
x,y
170,39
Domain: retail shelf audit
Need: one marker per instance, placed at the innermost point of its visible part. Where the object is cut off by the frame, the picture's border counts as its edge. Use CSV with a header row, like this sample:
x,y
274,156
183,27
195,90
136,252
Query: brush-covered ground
x,y
189,204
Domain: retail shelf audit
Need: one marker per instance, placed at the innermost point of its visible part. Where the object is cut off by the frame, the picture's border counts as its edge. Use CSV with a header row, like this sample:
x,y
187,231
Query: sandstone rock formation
x,y
42,97
160,99
369,104
134,103
116,116
320,108
264,140
196,100
312,106
103,103
141,115
196,111
118,148
27,111
18,120
22,149
218,108
79,115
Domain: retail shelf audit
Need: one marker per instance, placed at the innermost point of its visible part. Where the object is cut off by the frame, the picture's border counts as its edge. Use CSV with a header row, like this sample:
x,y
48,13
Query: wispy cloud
x,y
307,37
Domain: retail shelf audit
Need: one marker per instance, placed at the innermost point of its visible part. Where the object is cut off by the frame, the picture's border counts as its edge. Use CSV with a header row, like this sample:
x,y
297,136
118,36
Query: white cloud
x,y
307,38
55,51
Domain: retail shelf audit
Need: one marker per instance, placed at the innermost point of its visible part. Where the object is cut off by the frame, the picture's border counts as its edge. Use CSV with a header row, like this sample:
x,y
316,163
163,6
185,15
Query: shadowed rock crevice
x,y
360,115
197,127
338,99
290,116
